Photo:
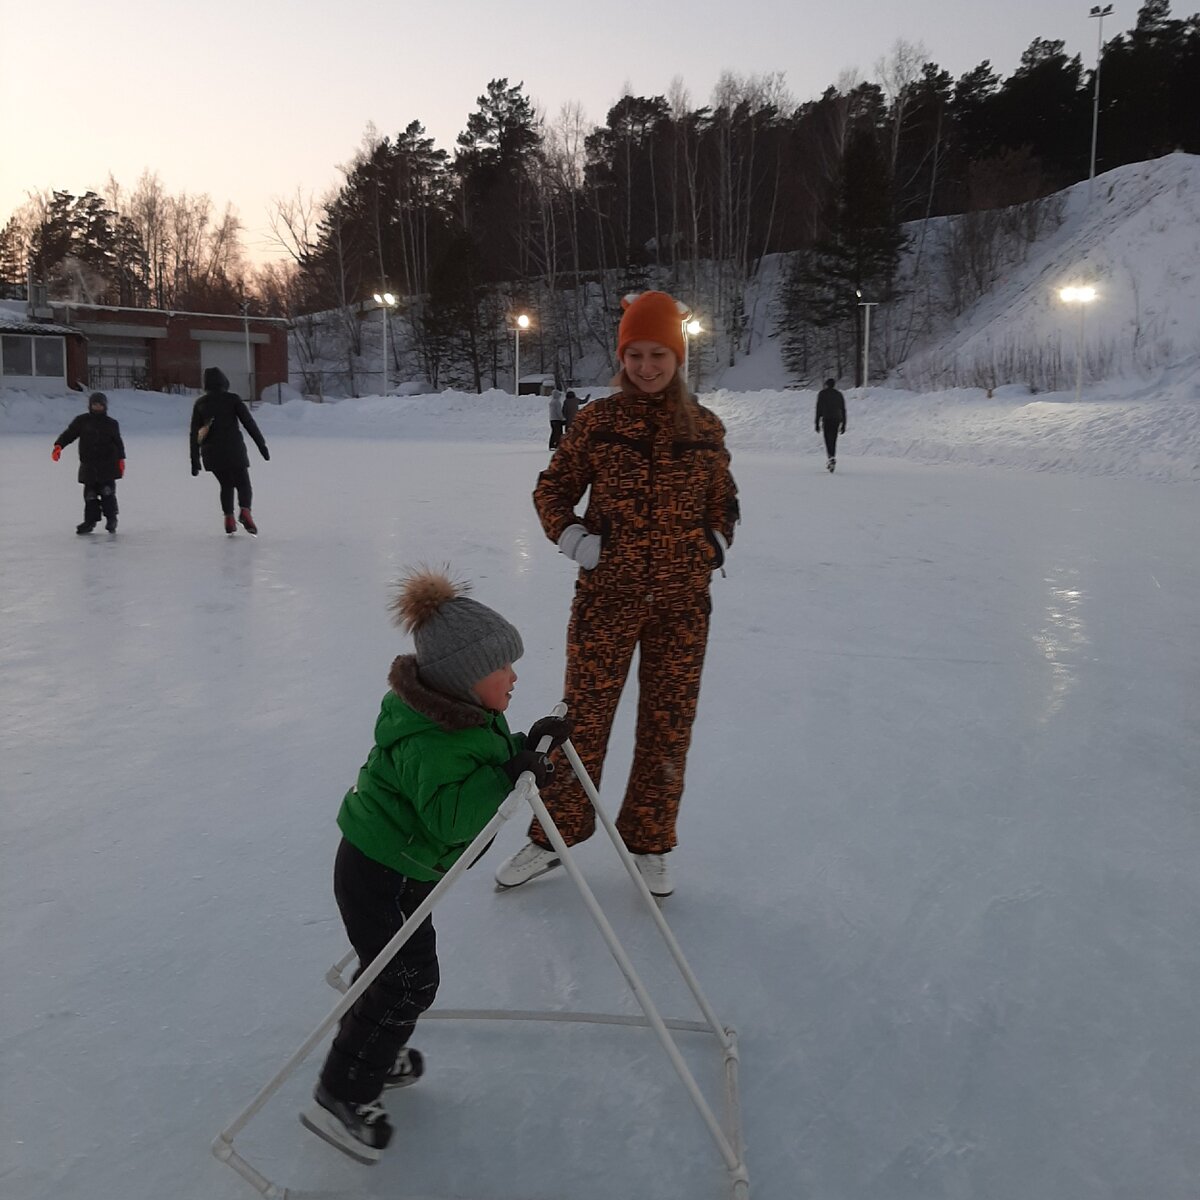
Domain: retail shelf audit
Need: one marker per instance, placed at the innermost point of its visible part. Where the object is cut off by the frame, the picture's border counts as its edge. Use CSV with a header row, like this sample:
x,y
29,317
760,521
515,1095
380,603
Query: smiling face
x,y
649,366
495,690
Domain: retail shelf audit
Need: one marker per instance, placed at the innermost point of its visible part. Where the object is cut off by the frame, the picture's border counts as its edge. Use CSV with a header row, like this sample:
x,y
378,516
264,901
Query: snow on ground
x,y
938,847
1143,427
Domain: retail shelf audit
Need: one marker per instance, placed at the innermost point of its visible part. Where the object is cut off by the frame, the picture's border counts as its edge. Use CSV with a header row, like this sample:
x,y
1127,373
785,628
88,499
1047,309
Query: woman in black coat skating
x,y
216,441
101,461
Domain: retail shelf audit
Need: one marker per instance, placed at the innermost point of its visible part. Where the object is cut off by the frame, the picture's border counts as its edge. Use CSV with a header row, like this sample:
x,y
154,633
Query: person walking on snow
x,y
101,461
557,420
442,764
659,520
831,413
216,441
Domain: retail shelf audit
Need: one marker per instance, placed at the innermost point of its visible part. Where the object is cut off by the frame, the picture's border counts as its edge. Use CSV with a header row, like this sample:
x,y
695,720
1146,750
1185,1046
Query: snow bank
x,y
1144,428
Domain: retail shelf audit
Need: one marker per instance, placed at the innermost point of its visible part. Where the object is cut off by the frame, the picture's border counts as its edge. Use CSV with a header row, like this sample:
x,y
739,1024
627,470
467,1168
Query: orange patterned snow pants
x,y
601,638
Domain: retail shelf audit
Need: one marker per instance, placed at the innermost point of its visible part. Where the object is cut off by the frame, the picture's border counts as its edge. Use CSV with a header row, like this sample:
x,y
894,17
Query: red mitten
x,y
121,468
56,453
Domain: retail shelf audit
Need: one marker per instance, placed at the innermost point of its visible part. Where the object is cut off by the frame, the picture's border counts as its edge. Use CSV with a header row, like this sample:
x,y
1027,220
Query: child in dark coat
x,y
101,461
442,764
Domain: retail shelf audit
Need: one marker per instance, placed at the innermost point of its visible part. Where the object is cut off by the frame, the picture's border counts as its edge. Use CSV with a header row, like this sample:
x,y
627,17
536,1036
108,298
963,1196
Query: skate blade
x,y
406,1082
329,1129
510,887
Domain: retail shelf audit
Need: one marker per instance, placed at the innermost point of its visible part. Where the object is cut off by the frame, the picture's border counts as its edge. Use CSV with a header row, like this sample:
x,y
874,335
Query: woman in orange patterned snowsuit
x,y
659,519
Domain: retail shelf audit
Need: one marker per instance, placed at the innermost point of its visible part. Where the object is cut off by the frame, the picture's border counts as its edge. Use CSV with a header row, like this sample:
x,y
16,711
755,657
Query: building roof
x,y
10,325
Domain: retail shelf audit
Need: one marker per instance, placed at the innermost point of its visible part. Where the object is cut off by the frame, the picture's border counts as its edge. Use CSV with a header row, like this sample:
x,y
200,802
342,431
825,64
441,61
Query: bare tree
x,y
897,73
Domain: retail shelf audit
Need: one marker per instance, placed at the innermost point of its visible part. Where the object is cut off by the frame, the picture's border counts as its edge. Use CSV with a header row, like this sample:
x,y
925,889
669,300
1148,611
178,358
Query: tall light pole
x,y
866,306
1083,296
249,360
1099,14
385,300
522,323
691,327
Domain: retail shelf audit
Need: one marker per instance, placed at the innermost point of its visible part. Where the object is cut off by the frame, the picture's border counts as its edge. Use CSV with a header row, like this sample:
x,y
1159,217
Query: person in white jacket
x,y
557,420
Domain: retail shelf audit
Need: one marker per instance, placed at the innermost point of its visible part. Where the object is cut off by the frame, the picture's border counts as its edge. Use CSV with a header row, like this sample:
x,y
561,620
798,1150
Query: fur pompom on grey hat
x,y
459,641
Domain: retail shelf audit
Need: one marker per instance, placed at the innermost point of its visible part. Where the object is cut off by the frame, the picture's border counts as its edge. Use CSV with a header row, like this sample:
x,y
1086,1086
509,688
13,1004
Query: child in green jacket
x,y
442,763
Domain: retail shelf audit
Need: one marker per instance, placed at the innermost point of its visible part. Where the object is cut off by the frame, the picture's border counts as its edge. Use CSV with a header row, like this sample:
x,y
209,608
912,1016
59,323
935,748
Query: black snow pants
x,y
556,432
234,479
374,902
99,500
830,429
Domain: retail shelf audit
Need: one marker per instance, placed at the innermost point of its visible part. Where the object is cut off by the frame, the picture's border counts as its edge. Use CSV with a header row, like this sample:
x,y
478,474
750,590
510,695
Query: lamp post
x,y
866,306
385,300
1083,296
691,327
245,306
1098,14
522,323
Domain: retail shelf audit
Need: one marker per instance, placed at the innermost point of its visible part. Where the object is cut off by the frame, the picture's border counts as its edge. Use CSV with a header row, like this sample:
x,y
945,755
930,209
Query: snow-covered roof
x,y
10,324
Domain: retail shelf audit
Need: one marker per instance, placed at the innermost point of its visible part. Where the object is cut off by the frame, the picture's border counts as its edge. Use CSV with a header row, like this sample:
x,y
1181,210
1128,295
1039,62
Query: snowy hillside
x,y
1135,238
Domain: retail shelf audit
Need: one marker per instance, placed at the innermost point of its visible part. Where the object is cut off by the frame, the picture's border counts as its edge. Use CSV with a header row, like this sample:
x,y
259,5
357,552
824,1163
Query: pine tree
x,y
13,259
856,257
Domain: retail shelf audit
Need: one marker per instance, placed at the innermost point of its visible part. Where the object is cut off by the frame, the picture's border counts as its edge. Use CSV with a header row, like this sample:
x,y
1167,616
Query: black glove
x,y
195,472
558,729
529,760
843,427
817,427
265,453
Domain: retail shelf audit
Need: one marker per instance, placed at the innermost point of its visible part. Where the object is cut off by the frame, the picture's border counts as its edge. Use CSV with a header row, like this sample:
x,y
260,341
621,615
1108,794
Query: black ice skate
x,y
361,1131
86,527
111,525
830,465
410,1066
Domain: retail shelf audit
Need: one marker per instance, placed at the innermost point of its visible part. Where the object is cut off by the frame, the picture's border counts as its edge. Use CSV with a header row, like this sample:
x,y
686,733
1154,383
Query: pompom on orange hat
x,y
652,317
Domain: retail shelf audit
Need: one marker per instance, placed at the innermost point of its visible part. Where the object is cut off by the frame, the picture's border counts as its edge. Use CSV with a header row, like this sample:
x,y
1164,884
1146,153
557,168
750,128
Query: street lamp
x,y
245,306
691,327
522,323
385,300
866,306
1083,296
1098,14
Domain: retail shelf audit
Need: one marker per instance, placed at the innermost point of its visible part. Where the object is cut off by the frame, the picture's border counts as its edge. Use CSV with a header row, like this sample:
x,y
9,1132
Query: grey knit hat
x,y
459,641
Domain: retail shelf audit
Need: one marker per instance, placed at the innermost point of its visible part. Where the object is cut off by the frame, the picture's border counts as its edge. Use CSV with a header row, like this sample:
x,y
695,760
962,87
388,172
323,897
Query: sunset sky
x,y
249,99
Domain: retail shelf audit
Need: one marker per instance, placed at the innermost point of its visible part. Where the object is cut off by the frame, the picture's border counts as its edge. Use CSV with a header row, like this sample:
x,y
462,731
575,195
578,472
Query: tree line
x,y
542,213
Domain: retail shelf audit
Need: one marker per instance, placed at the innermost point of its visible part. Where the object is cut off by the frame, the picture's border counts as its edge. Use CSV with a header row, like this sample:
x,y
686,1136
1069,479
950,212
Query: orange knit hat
x,y
652,317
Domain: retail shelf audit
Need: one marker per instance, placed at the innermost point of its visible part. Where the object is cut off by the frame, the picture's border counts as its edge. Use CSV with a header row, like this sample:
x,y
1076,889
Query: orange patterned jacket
x,y
656,497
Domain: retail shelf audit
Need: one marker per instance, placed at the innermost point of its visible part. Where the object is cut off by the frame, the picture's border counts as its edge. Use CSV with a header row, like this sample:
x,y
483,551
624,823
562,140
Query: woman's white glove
x,y
575,542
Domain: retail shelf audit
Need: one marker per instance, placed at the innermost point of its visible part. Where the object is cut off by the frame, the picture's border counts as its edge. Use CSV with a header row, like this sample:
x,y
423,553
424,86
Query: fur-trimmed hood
x,y
445,711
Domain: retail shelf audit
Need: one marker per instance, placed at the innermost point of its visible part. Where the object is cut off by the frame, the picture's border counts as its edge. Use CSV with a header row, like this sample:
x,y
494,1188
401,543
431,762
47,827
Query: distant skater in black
x,y
831,413
216,441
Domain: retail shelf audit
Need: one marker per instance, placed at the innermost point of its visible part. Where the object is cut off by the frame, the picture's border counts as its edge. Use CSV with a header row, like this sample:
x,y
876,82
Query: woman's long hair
x,y
675,398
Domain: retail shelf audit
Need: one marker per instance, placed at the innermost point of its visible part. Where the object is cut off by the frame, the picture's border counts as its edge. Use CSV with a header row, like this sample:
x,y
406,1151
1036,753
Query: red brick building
x,y
162,350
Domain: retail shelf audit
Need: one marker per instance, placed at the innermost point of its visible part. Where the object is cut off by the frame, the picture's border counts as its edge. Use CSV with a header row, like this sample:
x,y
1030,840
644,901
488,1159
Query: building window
x,y
113,363
48,357
18,355
43,357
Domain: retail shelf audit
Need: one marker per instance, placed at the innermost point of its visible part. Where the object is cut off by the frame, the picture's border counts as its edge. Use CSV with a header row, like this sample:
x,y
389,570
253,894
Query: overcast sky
x,y
249,99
